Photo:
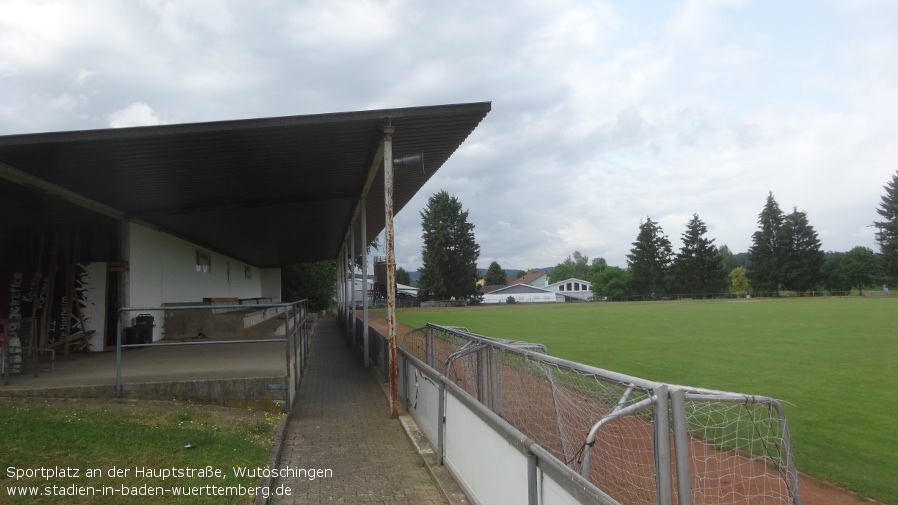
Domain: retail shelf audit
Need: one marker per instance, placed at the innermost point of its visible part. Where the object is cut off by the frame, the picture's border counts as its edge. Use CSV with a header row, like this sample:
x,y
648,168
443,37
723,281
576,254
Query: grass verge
x,y
110,442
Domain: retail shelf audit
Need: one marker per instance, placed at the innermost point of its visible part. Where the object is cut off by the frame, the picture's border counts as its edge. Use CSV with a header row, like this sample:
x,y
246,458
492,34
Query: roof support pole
x,y
391,269
352,300
339,289
364,220
341,267
346,286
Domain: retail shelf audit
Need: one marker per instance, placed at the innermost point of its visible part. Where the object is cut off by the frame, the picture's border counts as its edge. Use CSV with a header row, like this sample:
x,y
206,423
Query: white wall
x,y
573,288
271,284
490,469
162,269
523,298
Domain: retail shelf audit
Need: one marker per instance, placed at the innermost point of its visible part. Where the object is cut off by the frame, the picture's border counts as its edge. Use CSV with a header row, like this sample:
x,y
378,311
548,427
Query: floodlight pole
x,y
391,270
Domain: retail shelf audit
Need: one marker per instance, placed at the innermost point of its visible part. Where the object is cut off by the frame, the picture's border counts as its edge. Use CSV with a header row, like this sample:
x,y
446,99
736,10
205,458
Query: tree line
x,y
785,255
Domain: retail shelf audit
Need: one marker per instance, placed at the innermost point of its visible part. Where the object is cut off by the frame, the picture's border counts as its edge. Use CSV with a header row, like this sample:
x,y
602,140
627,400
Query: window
x,y
569,286
561,287
203,261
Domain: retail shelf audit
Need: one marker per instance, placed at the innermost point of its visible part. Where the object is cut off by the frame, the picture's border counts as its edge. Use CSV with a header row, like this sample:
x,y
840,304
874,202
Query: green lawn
x,y
110,443
832,361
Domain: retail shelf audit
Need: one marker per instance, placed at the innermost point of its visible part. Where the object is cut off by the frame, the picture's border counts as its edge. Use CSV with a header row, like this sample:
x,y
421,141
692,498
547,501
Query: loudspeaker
x,y
410,160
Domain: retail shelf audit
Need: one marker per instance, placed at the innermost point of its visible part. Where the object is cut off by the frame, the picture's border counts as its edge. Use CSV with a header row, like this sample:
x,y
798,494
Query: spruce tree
x,y
802,257
449,254
495,276
888,231
403,277
766,251
650,258
697,267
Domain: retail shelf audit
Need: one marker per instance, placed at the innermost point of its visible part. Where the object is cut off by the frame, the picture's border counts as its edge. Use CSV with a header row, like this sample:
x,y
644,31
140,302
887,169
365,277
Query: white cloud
x,y
135,114
604,112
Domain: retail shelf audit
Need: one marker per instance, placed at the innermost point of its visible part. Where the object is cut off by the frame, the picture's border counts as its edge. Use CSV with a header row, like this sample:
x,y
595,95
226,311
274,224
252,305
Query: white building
x,y
572,289
522,293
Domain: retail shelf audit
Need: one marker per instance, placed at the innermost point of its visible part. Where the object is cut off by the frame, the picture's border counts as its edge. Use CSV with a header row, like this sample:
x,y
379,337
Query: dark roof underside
x,y
269,192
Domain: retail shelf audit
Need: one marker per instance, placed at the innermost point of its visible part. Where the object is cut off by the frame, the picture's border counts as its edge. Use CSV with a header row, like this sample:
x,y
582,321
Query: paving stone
x,y
342,423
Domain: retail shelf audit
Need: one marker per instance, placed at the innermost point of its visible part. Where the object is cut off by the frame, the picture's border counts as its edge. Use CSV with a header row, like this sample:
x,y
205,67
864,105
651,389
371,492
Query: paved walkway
x,y
342,423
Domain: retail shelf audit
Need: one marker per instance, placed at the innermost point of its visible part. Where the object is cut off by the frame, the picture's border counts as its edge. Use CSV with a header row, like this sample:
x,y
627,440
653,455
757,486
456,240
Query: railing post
x,y
681,446
663,478
429,349
496,383
402,389
441,423
482,374
291,374
118,356
532,480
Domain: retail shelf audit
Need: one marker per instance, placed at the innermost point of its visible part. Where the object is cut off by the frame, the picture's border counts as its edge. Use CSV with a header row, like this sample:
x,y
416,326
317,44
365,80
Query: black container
x,y
133,335
146,323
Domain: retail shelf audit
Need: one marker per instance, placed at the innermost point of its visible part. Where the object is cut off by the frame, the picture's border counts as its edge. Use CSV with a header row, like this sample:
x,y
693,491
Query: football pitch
x,y
833,362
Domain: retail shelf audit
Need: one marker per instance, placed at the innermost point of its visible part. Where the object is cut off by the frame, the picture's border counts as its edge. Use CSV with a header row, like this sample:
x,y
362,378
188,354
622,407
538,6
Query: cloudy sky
x,y
603,113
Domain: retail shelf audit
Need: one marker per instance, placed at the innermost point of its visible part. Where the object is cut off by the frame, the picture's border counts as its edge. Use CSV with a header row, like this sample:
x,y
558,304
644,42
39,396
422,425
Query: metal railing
x,y
297,337
632,440
18,347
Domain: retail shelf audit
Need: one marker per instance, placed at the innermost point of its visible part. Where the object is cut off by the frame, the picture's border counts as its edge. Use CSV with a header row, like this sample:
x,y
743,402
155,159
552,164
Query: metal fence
x,y
295,330
19,349
726,296
638,441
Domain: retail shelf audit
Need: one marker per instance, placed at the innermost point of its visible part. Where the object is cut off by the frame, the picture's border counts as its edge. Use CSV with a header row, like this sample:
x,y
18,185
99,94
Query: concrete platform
x,y
251,375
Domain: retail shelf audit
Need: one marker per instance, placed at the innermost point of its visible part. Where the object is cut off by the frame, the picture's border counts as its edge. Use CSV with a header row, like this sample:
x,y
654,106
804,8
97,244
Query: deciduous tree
x,y
449,253
576,266
739,281
859,267
613,282
315,282
834,279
